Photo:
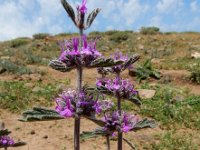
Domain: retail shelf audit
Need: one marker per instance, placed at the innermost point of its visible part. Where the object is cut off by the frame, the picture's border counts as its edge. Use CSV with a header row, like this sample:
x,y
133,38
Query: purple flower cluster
x,y
124,123
117,86
82,9
6,141
73,55
64,103
103,106
71,103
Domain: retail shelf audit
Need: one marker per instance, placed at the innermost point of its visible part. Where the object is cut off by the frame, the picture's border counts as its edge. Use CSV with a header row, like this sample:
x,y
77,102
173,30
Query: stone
x,y
5,57
37,89
35,77
146,93
141,47
139,38
195,55
29,85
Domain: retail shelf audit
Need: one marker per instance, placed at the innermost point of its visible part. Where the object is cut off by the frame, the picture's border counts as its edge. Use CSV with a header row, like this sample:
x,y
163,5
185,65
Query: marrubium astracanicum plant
x,y
91,102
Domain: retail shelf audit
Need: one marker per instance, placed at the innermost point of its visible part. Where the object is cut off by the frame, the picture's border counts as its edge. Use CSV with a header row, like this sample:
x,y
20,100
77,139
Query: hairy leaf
x,y
105,62
92,134
58,65
131,61
145,71
145,123
95,120
91,17
69,10
135,99
40,114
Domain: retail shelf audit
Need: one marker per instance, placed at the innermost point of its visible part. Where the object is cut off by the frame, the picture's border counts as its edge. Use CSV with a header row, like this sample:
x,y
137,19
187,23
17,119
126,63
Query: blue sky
x,y
19,18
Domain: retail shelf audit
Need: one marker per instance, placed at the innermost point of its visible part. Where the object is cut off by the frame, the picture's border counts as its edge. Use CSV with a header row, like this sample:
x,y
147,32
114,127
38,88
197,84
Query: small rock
x,y
5,57
24,77
146,93
155,61
45,137
195,55
29,85
32,132
139,38
141,47
2,125
37,89
61,86
35,77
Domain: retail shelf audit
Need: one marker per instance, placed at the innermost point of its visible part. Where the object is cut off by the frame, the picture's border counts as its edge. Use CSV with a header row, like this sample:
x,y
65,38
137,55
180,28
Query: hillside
x,y
26,80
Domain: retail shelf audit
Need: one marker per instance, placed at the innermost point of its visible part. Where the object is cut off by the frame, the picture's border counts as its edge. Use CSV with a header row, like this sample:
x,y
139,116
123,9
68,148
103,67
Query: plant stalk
x,y
77,120
120,135
108,142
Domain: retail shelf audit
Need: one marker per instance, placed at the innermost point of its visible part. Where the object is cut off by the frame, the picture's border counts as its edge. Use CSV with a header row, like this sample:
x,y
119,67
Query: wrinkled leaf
x,y
40,114
69,10
92,134
135,99
95,120
145,123
131,61
58,65
105,62
92,16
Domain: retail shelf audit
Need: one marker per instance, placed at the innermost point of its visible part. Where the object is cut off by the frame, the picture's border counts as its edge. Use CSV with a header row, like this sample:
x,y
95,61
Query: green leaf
x,y
95,120
58,65
40,114
155,74
131,61
69,10
135,99
92,16
145,123
105,62
92,134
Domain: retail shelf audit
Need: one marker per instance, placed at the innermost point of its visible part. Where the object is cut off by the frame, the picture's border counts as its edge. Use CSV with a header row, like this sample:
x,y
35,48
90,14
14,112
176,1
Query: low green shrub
x,y
40,36
11,67
19,42
149,30
195,73
119,36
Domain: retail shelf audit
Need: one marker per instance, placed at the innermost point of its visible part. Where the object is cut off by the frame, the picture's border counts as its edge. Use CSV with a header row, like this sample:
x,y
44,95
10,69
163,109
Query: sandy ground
x,y
58,135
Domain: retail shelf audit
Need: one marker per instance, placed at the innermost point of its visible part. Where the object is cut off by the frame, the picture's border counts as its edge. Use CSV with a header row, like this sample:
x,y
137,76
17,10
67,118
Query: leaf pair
x,y
71,13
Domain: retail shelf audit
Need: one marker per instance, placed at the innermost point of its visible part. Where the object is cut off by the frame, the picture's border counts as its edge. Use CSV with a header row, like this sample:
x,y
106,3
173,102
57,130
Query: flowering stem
x,y
77,121
120,136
